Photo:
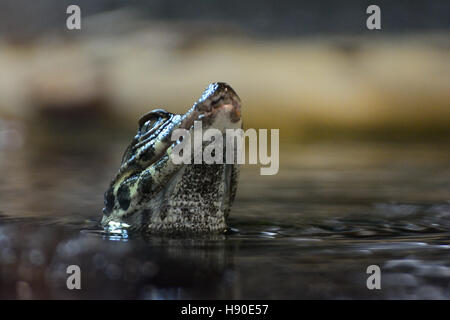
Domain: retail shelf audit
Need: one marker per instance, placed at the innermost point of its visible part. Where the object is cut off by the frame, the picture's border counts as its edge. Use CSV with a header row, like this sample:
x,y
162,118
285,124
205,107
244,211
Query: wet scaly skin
x,y
152,194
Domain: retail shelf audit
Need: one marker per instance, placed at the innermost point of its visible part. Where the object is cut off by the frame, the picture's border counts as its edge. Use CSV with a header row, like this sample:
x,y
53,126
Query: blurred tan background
x,y
337,79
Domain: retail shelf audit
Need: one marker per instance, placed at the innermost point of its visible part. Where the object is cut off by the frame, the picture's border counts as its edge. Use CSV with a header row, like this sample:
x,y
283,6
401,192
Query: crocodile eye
x,y
216,100
150,124
153,120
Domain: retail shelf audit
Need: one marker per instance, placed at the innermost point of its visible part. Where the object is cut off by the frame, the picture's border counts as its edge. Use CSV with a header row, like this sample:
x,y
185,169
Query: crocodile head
x,y
151,193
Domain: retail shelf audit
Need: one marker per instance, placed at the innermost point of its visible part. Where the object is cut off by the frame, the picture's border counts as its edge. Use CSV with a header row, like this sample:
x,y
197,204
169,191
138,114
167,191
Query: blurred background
x,y
310,68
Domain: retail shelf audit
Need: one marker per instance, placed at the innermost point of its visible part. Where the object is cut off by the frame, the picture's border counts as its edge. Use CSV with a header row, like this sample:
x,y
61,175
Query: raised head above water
x,y
150,193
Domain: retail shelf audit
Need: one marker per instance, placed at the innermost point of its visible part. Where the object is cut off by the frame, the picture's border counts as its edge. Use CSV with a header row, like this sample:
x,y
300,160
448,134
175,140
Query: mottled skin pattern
x,y
150,193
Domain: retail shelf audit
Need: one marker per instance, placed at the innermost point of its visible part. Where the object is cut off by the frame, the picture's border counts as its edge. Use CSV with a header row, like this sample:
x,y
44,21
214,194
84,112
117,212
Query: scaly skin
x,y
150,193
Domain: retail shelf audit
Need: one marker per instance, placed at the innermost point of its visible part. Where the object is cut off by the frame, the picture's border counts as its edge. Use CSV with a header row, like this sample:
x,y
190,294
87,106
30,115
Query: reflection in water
x,y
148,268
308,232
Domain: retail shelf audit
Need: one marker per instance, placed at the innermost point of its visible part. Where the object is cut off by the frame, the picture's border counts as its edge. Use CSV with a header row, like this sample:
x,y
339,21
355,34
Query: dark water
x,y
309,232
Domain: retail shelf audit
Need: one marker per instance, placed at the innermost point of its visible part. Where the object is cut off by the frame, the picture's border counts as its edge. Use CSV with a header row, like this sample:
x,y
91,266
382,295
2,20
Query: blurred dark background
x,y
310,68
277,19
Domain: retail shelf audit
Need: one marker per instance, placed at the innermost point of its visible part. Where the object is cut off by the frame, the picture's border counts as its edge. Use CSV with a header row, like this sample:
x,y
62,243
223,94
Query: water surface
x,y
309,232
